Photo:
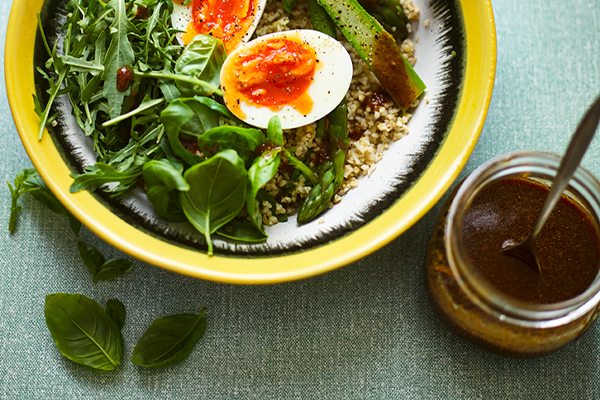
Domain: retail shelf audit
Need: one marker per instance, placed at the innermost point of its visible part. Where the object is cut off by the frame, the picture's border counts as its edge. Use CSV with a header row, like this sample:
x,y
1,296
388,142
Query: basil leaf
x,y
187,118
274,131
83,332
217,192
163,181
101,269
201,59
169,340
263,169
91,257
243,140
242,230
116,311
113,269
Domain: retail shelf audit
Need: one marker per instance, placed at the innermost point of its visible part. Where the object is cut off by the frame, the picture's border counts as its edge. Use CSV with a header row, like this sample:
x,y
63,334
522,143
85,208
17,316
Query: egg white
x,y
182,17
329,86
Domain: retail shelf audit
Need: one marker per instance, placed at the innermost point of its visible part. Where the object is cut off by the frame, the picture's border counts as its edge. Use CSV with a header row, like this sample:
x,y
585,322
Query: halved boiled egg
x,y
300,76
232,21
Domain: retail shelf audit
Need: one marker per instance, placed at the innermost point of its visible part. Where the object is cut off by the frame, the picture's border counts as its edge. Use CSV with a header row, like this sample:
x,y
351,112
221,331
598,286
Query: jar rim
x,y
473,283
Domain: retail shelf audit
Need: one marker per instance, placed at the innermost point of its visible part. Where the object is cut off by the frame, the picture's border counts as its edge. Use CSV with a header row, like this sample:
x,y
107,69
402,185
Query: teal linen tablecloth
x,y
364,331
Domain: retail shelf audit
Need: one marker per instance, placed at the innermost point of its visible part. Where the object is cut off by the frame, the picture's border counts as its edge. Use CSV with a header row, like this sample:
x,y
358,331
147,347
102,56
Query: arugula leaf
x,y
146,105
81,65
98,266
61,69
119,54
116,311
83,332
217,193
202,59
169,340
299,165
29,181
15,193
100,174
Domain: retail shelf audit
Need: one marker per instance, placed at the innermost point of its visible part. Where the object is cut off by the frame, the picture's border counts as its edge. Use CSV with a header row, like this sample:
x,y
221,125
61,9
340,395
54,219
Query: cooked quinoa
x,y
374,120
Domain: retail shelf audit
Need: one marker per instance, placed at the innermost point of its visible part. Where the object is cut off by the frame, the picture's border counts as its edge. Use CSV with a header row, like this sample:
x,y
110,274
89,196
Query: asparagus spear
x,y
390,15
334,128
378,48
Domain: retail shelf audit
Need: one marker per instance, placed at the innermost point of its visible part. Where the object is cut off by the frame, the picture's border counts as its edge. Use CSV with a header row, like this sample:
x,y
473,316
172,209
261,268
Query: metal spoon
x,y
525,251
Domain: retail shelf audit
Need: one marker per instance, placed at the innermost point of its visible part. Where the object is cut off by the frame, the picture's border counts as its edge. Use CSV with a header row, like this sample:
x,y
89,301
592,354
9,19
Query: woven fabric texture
x,y
365,331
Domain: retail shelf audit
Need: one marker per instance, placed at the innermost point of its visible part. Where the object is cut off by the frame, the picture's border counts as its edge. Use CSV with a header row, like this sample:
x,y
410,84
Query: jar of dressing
x,y
495,300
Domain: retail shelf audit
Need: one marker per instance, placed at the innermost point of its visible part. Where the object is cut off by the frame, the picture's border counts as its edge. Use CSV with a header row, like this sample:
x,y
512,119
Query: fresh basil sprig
x,y
99,267
169,340
83,332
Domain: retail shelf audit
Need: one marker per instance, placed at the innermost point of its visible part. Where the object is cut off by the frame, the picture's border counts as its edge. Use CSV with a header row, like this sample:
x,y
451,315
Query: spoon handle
x,y
569,162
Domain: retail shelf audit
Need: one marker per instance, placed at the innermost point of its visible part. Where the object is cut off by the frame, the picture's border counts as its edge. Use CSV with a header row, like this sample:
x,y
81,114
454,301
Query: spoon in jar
x,y
525,251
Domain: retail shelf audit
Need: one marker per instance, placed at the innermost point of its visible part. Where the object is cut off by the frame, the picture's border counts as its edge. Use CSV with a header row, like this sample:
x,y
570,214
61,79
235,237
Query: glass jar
x,y
469,306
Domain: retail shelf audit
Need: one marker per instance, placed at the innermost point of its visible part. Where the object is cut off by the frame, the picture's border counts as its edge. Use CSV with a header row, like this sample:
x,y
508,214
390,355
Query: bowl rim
x,y
422,196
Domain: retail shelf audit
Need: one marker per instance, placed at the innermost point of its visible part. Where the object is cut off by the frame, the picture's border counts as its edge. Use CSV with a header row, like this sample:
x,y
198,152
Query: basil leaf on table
x,y
113,269
83,332
243,140
116,311
101,269
217,193
202,58
169,340
92,258
30,181
164,181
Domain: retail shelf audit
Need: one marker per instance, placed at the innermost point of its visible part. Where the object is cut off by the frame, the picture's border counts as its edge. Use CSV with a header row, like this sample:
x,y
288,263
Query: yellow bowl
x,y
456,147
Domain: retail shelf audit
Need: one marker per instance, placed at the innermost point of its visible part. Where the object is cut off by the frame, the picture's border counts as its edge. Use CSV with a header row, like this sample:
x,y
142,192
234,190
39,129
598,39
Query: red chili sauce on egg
x,y
227,20
273,73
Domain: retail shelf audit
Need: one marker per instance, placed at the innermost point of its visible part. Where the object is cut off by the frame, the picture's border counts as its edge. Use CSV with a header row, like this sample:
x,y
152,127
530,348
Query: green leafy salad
x,y
155,113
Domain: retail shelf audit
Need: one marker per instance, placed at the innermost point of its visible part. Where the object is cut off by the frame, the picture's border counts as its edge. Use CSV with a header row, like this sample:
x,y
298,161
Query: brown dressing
x,y
568,247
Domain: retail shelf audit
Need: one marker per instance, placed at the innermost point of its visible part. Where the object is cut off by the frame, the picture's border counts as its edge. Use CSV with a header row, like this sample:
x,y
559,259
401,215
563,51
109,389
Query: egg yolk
x,y
271,73
227,20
